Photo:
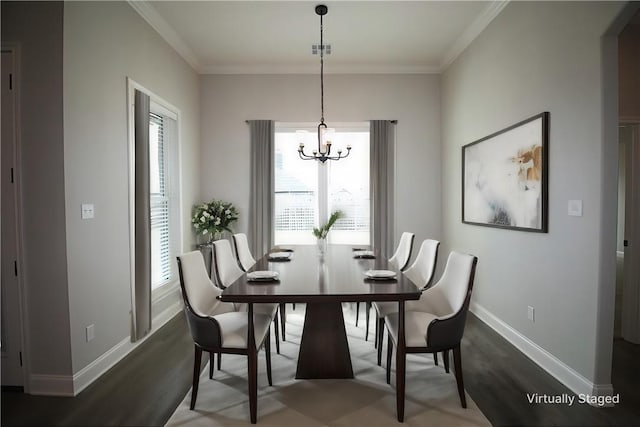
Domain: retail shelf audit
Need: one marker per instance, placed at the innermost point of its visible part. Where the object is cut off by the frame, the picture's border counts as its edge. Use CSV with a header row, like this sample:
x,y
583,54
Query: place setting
x,y
262,276
282,255
381,276
363,253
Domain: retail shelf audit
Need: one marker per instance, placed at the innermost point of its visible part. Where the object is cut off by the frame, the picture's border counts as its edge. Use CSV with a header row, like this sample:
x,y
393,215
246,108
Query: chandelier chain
x,y
323,152
321,74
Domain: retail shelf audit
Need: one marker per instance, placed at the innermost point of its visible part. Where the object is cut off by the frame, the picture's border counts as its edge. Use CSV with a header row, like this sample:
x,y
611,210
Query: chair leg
x,y
457,365
276,326
211,364
375,333
267,350
357,312
380,328
283,318
435,358
219,361
366,316
196,375
252,371
445,357
389,353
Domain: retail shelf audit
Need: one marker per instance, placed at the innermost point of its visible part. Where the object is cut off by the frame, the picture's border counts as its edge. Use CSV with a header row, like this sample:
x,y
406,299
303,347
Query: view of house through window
x,y
163,178
307,191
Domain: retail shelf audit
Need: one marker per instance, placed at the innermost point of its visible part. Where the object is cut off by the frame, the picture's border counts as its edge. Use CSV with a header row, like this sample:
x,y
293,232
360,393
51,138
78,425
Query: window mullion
x,y
323,193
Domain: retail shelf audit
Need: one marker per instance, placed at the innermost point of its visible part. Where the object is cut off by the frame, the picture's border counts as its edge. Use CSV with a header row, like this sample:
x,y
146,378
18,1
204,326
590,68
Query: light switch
x,y
87,211
575,208
530,313
91,333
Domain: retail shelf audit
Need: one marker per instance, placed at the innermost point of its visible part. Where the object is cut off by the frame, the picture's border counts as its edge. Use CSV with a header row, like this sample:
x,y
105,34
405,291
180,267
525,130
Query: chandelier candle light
x,y
323,153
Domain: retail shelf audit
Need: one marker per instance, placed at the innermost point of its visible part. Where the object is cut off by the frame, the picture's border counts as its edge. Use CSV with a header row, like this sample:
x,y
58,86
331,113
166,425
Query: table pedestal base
x,y
324,350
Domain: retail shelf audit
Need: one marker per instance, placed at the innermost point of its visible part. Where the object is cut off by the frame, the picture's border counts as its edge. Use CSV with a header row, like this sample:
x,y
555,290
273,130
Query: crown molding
x,y
146,10
157,22
472,32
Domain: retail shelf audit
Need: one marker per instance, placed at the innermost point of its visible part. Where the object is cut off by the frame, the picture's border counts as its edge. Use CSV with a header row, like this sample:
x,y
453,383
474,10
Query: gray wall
x,y
538,57
106,42
73,109
37,27
227,101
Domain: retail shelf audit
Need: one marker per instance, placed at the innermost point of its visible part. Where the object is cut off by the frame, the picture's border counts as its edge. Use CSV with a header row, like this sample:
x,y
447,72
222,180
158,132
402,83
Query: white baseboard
x,y
51,385
68,385
102,364
547,361
106,361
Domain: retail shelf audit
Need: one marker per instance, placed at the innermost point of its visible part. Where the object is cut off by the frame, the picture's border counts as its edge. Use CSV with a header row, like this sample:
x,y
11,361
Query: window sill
x,y
162,291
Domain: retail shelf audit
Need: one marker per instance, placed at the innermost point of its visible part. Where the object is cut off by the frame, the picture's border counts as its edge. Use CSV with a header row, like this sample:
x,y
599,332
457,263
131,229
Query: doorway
x,y
10,314
627,310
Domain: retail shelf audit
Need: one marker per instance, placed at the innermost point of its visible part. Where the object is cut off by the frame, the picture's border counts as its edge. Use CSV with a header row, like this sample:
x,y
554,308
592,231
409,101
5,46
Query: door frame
x,y
630,323
15,49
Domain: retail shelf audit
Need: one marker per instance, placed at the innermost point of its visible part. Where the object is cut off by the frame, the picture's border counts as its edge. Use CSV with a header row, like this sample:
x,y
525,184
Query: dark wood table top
x,y
335,277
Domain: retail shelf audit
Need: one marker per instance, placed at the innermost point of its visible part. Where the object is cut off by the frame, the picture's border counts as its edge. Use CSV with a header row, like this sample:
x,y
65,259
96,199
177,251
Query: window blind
x,y
159,203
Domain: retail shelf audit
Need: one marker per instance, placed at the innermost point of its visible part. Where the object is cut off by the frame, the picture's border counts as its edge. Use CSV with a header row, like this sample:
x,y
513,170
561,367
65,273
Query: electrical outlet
x,y
575,208
531,313
87,211
91,334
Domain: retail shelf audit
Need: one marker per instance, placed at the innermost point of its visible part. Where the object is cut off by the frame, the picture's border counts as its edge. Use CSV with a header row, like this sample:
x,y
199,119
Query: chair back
x,y
198,292
224,264
423,268
243,253
401,257
449,299
457,280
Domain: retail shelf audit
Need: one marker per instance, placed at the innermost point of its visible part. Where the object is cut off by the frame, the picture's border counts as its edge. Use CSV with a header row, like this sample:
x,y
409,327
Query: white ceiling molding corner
x,y
157,22
472,32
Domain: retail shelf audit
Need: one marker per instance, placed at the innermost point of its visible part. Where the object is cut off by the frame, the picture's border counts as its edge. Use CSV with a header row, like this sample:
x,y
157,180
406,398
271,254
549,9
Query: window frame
x,y
323,172
158,105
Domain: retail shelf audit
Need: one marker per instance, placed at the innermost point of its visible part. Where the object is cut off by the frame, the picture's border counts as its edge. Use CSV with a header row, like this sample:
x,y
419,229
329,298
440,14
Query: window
x,y
306,192
163,179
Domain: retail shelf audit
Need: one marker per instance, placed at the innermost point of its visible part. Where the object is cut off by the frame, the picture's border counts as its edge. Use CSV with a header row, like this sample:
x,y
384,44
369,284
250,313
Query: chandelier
x,y
323,152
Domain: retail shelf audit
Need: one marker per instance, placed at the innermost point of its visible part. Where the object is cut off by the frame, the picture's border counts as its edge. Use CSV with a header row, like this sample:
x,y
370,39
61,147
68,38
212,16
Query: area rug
x,y
431,394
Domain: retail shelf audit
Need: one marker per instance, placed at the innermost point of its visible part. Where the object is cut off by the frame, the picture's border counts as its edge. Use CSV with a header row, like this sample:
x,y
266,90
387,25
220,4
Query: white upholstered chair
x,y
217,327
421,274
399,260
227,270
436,321
245,262
243,253
402,255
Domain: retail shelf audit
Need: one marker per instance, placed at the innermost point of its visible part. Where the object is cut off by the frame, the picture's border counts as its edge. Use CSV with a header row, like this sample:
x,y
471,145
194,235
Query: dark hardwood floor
x,y
145,388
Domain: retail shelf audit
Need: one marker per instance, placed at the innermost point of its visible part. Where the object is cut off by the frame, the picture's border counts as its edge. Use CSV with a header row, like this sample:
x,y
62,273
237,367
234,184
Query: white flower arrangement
x,y
214,217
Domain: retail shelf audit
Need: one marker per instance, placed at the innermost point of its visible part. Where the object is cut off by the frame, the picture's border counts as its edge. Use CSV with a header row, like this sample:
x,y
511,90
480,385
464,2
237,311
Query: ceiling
x,y
265,37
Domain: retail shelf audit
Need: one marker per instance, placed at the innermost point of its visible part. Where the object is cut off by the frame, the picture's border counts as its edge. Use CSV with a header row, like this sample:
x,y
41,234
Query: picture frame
x,y
505,177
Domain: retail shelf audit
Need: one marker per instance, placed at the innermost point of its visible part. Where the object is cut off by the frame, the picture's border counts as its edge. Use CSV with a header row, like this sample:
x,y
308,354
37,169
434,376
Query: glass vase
x,y
322,246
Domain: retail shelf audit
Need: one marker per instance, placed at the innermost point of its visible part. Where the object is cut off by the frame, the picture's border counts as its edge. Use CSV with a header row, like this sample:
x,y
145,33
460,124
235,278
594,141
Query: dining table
x,y
323,280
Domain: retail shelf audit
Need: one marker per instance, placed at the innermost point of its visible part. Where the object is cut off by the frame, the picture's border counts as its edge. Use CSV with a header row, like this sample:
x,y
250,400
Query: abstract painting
x,y
505,178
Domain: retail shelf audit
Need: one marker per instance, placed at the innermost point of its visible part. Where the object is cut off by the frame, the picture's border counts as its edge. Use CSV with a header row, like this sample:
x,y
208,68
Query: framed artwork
x,y
505,177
